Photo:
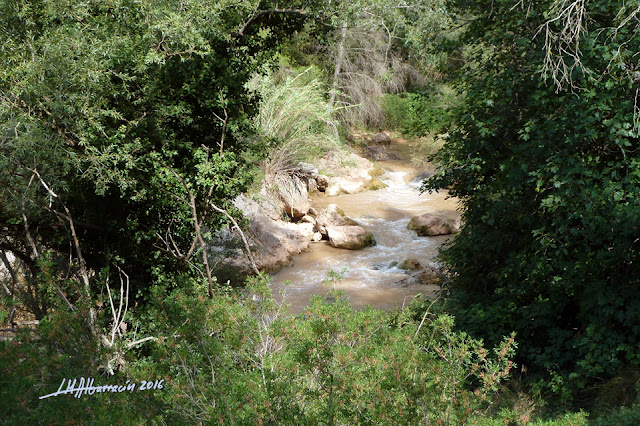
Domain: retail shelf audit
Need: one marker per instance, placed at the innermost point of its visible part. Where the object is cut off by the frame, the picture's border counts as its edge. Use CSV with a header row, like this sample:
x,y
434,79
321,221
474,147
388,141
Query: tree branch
x,y
91,321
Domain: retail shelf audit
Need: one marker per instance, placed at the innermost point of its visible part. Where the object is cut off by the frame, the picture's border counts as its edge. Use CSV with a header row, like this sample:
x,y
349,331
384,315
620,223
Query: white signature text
x,y
83,386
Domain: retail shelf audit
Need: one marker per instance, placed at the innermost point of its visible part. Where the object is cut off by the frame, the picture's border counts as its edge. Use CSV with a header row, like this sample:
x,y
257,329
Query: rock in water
x,y
332,215
381,138
429,276
429,225
350,237
410,264
376,184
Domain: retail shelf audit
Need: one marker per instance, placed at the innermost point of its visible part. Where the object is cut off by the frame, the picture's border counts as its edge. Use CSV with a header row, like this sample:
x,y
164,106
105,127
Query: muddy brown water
x,y
370,277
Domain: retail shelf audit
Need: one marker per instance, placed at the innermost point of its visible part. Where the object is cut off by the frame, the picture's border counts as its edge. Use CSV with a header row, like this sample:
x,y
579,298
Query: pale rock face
x,y
428,225
332,215
306,229
350,237
294,197
308,219
273,242
353,175
341,185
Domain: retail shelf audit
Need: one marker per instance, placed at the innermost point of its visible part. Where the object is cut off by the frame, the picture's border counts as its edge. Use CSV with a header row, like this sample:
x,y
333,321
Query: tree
x,y
549,177
136,116
367,49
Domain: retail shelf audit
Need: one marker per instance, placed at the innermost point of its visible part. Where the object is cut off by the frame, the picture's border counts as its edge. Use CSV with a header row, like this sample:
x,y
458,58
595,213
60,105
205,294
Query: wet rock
x,y
312,212
332,215
376,171
429,225
410,265
349,237
381,138
375,184
429,276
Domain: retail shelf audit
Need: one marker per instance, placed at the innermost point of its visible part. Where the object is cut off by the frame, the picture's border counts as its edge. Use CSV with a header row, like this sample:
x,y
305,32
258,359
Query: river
x,y
370,277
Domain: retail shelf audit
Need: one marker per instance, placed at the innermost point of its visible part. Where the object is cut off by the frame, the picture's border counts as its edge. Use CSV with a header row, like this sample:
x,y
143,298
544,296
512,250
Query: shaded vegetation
x,y
128,128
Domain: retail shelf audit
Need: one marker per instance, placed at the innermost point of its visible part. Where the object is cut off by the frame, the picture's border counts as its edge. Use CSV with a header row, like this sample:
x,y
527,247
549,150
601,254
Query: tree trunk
x,y
339,58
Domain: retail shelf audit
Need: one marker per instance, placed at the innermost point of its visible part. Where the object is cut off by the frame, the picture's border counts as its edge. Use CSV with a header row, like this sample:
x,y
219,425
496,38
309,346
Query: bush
x,y
237,359
420,113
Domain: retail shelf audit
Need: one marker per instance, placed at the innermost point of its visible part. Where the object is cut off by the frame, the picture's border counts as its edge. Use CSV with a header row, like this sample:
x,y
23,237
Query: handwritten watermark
x,y
83,386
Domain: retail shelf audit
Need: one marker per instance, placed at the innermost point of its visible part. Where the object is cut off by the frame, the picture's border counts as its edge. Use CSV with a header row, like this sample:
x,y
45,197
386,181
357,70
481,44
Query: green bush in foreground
x,y
237,358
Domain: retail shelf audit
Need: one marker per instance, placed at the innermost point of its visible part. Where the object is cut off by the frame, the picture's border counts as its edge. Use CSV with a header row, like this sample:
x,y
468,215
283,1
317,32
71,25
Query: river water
x,y
370,277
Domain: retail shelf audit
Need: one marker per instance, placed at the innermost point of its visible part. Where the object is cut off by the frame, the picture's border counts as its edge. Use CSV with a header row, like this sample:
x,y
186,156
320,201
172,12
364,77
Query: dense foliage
x,y
421,112
234,359
545,160
136,115
128,127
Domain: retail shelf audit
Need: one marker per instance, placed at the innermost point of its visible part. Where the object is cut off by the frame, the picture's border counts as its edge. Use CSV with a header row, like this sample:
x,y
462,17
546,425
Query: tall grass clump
x,y
295,119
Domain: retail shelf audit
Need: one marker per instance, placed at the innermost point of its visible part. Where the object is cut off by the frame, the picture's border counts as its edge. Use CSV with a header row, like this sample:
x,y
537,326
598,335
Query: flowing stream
x,y
371,277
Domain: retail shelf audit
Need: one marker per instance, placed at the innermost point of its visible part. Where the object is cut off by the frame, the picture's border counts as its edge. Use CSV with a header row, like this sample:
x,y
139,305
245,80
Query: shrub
x,y
420,113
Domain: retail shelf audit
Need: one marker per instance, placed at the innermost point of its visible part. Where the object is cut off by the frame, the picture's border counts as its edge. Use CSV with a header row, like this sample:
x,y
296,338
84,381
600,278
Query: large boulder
x,y
381,138
273,243
351,173
350,237
429,225
293,196
332,215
